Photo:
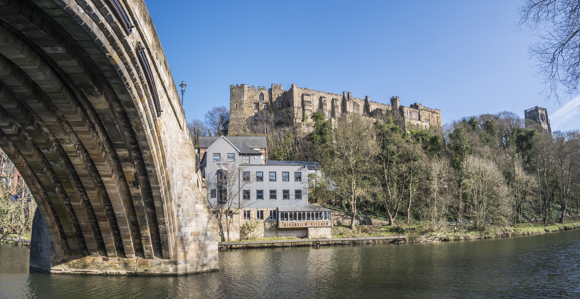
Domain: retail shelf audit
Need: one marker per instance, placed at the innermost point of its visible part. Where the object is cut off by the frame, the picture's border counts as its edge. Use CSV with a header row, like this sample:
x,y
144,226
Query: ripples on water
x,y
538,266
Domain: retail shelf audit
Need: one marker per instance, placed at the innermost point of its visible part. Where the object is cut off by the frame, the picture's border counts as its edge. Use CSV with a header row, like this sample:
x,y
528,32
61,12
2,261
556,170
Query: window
x,y
285,176
279,115
259,176
297,194
216,214
245,159
272,194
272,215
285,194
217,158
247,215
260,194
246,194
328,114
272,176
246,176
236,105
261,96
265,106
279,104
255,106
255,117
231,157
260,215
298,176
213,193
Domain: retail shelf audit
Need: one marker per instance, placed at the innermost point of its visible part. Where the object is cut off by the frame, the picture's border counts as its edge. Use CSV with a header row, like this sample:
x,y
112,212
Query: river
x,y
536,266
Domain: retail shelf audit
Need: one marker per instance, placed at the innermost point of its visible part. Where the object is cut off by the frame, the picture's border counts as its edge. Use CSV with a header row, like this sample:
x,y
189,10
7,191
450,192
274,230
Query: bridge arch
x,y
90,116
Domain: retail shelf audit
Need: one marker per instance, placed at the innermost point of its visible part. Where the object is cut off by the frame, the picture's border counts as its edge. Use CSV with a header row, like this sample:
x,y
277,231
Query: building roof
x,y
244,150
308,208
309,164
249,141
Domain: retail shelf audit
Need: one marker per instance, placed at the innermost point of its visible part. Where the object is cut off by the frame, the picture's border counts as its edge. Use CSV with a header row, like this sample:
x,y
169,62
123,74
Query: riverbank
x,y
311,242
423,233
420,233
15,241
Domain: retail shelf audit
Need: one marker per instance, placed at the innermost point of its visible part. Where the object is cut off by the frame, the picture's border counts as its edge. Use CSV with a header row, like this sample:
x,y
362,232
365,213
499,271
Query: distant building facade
x,y
274,193
295,106
537,117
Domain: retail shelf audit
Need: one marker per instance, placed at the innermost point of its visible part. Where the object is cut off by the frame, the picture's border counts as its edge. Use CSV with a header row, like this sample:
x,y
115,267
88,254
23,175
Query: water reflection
x,y
538,266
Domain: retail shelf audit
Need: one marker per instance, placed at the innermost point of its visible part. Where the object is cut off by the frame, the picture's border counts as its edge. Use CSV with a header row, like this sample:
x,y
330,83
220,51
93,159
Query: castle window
x,y
255,117
255,106
261,96
279,115
279,105
265,106
236,105
328,114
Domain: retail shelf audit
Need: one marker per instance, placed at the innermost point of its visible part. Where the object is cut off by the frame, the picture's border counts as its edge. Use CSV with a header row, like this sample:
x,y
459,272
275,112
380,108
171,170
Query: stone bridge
x,y
91,117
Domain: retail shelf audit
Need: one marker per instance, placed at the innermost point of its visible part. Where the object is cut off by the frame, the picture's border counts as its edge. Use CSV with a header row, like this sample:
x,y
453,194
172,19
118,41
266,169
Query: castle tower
x,y
395,103
537,117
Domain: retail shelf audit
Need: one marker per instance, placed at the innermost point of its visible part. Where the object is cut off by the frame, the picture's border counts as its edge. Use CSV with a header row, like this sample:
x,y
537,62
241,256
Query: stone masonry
x,y
537,117
91,118
294,107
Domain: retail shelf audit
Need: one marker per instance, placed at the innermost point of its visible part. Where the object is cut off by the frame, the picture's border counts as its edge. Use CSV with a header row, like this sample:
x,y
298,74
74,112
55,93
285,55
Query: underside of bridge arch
x,y
90,116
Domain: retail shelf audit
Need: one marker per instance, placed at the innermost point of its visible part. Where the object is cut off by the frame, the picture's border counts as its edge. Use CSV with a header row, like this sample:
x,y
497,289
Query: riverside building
x,y
268,197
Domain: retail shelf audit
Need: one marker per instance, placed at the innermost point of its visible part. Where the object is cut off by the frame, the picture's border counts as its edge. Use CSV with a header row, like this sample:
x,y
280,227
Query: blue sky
x,y
463,57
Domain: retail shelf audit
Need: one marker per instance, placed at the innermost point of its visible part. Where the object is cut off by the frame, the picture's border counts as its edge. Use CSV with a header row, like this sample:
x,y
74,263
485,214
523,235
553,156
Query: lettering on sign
x,y
289,224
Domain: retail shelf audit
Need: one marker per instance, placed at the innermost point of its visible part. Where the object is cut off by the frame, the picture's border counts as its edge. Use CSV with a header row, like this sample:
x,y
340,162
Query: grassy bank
x,y
421,233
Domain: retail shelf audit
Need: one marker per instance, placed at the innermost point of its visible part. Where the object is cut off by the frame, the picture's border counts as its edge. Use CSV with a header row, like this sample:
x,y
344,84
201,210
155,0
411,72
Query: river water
x,y
536,266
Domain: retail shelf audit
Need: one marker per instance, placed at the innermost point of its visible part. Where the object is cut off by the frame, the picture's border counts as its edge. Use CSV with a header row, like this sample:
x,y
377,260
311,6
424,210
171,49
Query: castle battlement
x,y
295,105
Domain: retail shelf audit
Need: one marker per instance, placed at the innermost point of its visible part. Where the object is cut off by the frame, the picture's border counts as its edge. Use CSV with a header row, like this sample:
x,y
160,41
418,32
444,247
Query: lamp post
x,y
183,85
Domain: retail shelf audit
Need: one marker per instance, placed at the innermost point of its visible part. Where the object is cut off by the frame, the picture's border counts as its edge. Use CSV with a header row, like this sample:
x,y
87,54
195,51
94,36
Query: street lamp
x,y
183,85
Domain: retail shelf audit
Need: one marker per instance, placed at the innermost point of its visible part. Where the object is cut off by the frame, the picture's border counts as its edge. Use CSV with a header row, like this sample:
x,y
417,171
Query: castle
x,y
292,107
537,117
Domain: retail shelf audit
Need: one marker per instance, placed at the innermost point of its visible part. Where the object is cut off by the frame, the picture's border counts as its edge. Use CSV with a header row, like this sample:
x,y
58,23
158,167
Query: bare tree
x,y
217,120
351,161
229,182
438,182
558,50
486,190
197,128
522,190
17,206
